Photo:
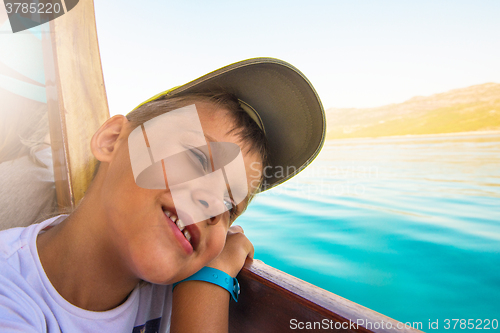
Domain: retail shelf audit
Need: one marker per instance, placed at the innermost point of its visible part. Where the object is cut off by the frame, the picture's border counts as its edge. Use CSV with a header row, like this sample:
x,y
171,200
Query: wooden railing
x,y
273,301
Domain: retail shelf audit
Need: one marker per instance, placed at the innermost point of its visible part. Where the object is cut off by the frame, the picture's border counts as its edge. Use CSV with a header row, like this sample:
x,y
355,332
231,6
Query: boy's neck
x,y
79,263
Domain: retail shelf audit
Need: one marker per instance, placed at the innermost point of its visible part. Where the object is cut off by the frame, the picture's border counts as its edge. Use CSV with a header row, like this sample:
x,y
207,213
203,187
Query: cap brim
x,y
290,109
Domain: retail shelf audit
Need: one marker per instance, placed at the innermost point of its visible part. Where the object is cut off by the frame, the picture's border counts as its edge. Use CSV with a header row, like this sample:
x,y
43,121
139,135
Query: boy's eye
x,y
201,157
231,207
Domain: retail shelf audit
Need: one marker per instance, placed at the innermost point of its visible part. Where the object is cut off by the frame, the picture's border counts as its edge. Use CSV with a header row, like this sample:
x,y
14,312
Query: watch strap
x,y
217,277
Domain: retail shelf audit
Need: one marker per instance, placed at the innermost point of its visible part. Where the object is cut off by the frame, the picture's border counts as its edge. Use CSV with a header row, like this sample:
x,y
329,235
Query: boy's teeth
x,y
180,224
187,235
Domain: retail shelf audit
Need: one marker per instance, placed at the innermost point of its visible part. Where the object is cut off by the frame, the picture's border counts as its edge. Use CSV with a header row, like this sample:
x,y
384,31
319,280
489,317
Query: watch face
x,y
236,289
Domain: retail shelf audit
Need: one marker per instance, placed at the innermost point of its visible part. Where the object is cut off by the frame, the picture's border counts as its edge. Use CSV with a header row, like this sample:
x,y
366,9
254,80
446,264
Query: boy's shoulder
x,y
16,292
21,288
11,240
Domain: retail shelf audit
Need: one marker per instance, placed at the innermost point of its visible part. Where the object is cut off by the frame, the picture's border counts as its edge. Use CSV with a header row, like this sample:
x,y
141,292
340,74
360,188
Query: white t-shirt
x,y
29,302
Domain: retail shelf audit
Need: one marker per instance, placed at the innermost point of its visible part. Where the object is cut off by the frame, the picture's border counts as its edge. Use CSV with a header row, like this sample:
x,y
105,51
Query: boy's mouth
x,y
190,232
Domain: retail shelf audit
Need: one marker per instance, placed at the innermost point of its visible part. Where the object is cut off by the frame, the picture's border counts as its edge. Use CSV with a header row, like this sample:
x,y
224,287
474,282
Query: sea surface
x,y
406,226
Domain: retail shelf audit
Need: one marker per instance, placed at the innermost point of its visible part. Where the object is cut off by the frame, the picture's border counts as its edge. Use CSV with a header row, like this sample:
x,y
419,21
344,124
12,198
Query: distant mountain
x,y
475,108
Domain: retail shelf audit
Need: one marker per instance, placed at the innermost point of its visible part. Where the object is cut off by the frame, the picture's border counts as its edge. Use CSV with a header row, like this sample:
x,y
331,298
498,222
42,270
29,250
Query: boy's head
x,y
145,220
268,100
168,133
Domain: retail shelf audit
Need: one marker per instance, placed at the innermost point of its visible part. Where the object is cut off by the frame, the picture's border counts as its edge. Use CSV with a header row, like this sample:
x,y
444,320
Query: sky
x,y
355,53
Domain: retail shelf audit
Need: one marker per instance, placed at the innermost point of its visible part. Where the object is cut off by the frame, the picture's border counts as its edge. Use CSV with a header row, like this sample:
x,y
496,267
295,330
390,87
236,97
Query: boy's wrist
x,y
232,271
218,278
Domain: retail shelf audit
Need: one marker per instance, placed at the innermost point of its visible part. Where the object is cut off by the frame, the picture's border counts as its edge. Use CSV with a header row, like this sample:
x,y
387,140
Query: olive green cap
x,y
283,103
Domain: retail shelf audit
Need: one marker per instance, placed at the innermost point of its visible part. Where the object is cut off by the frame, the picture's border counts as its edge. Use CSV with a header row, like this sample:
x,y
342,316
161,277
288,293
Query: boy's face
x,y
149,244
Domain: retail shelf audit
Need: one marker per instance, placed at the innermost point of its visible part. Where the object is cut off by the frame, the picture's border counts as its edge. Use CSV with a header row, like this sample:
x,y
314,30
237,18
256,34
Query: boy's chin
x,y
160,280
165,276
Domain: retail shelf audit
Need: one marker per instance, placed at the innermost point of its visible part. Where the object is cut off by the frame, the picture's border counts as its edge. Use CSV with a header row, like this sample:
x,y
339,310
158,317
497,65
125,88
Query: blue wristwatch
x,y
217,277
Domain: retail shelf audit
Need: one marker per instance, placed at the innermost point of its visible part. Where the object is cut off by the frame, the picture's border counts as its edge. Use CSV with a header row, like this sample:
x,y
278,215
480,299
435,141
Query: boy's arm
x,y
200,306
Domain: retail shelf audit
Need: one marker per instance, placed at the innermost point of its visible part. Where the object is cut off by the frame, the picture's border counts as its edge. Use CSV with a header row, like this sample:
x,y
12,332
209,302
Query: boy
x,y
174,174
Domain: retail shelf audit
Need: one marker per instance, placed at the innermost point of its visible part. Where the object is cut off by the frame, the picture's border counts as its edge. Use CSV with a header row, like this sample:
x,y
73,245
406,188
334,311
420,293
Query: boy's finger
x,y
236,228
250,250
250,254
248,262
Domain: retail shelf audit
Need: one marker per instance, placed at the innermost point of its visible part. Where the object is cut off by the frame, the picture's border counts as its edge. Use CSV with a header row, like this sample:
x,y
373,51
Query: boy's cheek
x,y
215,244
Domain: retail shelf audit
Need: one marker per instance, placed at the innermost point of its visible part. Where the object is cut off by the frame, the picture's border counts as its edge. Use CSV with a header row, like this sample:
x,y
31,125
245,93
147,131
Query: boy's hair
x,y
251,136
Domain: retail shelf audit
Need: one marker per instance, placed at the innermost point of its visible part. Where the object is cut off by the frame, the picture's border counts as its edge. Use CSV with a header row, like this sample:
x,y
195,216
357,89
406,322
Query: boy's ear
x,y
104,141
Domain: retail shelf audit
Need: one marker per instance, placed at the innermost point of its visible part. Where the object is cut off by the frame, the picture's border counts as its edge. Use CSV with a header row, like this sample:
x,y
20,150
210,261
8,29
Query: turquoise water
x,y
406,226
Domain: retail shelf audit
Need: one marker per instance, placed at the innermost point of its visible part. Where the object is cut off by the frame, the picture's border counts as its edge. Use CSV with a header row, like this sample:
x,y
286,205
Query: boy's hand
x,y
207,303
235,252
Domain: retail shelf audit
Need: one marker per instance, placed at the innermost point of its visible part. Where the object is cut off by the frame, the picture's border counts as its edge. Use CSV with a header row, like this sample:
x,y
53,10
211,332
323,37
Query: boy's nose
x,y
211,206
